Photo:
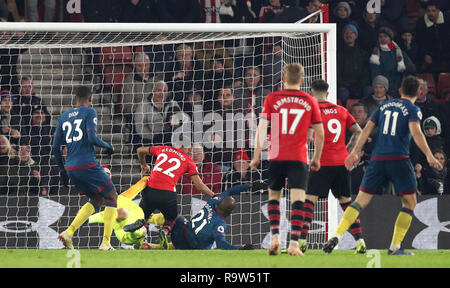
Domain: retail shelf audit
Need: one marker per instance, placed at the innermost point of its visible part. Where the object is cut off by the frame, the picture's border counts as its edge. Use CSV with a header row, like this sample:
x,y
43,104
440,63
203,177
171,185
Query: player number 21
x,y
284,119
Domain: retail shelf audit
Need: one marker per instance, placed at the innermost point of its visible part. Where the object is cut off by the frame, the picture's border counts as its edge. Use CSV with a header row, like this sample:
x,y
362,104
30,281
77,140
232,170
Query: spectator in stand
x,y
9,123
431,180
269,12
394,12
216,78
24,174
380,85
342,13
139,11
208,51
272,67
99,11
426,104
26,100
179,11
138,84
361,115
409,45
186,74
368,28
388,59
150,116
33,13
210,10
432,129
353,67
40,134
208,172
249,97
312,7
4,12
241,172
219,146
446,135
6,154
193,103
432,33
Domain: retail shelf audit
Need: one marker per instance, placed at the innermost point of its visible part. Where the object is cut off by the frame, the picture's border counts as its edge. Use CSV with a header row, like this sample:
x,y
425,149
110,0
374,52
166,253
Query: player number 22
x,y
169,170
284,119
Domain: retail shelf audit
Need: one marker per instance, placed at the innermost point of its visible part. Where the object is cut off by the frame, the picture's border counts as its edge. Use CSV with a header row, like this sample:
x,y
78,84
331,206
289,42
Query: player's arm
x,y
353,158
318,145
142,153
223,244
421,142
238,189
198,183
56,146
93,138
261,134
356,132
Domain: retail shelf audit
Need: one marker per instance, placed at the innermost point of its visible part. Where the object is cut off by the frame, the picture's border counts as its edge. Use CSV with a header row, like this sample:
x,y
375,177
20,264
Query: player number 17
x,y
284,119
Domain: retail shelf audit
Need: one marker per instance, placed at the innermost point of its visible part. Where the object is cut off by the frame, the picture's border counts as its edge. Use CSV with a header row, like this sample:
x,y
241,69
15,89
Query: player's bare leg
x,y
298,197
274,218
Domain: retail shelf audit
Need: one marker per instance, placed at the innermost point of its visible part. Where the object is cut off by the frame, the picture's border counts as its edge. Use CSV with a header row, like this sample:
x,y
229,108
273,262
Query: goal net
x,y
153,84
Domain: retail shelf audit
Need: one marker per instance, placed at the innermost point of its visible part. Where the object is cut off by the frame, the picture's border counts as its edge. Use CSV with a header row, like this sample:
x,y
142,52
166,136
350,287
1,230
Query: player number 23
x,y
67,125
163,157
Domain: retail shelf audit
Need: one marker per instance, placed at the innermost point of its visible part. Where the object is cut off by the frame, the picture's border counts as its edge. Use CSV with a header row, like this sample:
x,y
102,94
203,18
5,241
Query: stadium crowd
x,y
163,85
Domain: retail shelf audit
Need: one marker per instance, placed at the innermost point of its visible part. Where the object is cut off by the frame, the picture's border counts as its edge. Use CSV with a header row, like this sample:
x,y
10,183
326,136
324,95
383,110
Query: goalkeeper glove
x,y
247,247
63,178
259,185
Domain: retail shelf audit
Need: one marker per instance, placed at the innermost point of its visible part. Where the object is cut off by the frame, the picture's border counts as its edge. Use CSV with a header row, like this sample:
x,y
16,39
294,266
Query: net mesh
x,y
149,88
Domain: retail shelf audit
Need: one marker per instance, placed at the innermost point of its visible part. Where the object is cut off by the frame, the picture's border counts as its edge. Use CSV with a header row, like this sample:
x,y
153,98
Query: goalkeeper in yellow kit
x,y
129,212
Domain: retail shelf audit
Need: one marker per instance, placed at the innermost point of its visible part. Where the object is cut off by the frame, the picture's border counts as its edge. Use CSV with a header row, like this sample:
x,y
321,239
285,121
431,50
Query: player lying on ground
x,y
397,121
129,212
77,129
332,174
290,113
208,225
160,194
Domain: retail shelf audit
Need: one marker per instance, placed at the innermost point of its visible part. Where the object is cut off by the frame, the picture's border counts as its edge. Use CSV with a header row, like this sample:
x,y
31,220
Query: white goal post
x,y
58,57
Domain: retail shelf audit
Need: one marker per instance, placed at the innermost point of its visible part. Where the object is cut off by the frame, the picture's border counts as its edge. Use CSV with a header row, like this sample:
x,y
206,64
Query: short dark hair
x,y
431,3
320,85
83,93
410,86
359,104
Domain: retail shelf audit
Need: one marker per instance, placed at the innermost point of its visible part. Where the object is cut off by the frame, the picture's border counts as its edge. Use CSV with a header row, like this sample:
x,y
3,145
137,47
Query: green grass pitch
x,y
17,258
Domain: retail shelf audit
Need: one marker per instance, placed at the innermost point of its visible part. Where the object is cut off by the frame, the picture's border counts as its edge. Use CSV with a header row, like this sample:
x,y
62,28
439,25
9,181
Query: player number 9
x,y
334,126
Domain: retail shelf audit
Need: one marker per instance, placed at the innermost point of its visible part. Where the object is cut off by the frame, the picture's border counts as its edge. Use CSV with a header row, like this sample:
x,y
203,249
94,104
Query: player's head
x,y
226,206
83,95
293,75
410,87
319,89
122,214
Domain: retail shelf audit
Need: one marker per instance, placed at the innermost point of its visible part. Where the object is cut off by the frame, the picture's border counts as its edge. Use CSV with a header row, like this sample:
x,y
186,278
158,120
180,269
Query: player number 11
x,y
387,121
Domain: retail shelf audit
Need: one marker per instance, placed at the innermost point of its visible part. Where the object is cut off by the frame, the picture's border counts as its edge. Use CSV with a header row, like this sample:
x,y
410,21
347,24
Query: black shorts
x,y
162,200
334,178
295,171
